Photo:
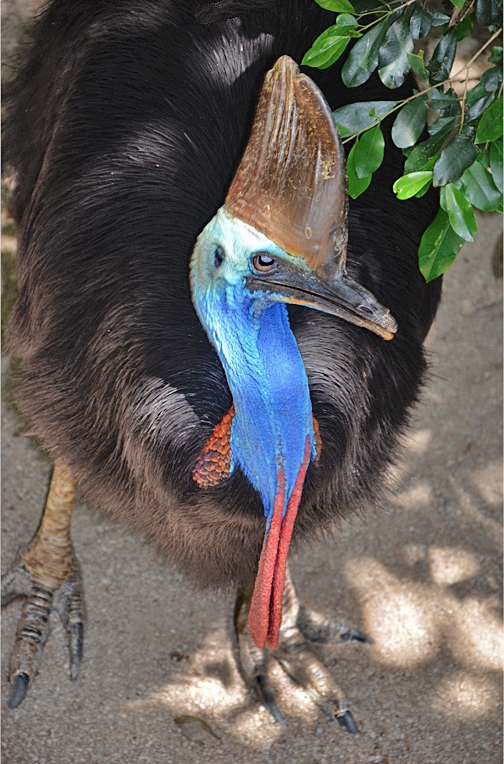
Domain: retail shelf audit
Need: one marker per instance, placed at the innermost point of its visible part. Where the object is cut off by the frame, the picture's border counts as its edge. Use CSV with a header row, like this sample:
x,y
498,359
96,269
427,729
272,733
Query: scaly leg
x,y
299,627
47,573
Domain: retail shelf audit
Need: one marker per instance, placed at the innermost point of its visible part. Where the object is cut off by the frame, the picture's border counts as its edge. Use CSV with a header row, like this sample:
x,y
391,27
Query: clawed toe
x,y
48,575
20,683
33,627
317,629
347,722
295,655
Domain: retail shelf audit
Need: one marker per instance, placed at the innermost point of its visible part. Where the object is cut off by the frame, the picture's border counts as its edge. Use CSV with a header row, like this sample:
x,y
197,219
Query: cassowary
x,y
215,346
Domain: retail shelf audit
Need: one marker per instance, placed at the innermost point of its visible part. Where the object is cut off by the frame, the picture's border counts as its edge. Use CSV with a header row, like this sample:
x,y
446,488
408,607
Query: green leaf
x,y
460,213
476,94
479,187
357,116
438,19
458,3
483,12
368,152
429,164
442,59
475,109
363,58
464,27
439,247
410,185
393,59
356,185
418,65
345,20
496,163
495,56
424,151
491,123
457,156
441,124
337,6
420,22
447,104
491,79
423,190
327,48
484,15
410,122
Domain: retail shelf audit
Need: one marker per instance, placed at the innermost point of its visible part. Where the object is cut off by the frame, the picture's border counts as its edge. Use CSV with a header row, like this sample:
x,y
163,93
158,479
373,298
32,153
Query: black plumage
x,y
125,126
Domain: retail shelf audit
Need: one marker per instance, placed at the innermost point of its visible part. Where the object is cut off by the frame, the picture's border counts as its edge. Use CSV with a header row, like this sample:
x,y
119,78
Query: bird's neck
x,y
273,422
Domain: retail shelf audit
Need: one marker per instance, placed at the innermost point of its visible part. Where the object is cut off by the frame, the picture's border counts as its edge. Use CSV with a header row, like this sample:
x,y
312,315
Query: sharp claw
x,y
266,695
347,721
20,684
76,647
360,636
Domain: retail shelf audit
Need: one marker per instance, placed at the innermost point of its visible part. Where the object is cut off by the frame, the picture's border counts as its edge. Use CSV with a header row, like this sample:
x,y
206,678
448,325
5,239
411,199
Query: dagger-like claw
x,y
347,721
20,684
266,695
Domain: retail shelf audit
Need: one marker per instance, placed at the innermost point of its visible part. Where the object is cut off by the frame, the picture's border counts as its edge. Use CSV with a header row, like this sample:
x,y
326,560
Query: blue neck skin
x,y
258,351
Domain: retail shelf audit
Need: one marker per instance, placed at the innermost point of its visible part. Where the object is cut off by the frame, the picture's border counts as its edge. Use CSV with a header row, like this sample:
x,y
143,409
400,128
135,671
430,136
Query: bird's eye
x,y
218,256
363,309
264,263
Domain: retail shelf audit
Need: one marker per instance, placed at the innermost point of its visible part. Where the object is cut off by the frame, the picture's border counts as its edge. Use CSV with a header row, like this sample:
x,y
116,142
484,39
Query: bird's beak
x,y
334,293
291,186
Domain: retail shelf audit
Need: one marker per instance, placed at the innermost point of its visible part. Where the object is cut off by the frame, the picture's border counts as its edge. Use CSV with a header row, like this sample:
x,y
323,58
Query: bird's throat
x,y
271,434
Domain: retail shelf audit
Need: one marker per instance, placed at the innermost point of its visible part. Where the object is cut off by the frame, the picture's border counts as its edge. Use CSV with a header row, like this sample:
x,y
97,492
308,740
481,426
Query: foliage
x,y
463,154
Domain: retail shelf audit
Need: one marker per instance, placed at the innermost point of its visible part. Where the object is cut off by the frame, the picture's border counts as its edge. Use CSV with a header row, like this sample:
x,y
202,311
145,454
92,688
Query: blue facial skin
x,y
251,334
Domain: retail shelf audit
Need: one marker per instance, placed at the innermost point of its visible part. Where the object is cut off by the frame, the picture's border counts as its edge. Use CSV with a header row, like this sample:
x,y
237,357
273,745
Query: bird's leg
x,y
253,660
299,661
299,627
47,573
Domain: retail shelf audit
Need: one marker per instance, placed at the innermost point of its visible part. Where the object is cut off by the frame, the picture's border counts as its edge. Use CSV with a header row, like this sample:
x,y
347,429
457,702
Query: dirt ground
x,y
422,576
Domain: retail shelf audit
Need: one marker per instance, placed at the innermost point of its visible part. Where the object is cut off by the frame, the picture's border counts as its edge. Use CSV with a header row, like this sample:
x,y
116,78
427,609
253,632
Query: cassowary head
x,y
280,238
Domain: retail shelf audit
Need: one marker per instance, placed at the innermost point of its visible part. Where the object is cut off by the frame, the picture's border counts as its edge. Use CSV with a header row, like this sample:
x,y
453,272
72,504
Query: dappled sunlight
x,y
407,620
464,696
469,507
418,495
450,565
397,615
417,441
413,553
209,688
403,627
476,636
488,481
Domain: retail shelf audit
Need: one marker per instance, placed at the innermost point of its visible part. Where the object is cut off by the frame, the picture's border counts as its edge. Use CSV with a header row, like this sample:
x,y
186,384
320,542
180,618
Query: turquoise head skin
x,y
251,334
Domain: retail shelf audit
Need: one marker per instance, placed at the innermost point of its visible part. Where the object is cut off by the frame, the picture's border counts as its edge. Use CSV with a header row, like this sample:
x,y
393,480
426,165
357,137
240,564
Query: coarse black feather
x,y
125,127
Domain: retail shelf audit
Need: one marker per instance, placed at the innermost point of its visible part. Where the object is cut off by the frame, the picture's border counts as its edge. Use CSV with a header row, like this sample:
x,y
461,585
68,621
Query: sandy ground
x,y
422,576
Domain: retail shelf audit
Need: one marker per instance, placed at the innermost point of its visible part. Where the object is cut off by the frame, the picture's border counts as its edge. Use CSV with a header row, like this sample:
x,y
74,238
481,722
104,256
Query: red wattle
x,y
259,613
265,615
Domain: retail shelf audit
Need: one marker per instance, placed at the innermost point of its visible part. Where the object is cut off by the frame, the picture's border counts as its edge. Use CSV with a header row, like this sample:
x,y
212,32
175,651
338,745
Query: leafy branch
x,y
463,154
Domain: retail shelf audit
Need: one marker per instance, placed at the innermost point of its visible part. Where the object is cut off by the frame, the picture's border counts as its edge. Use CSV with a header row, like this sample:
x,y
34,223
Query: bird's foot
x,y
33,627
297,658
47,574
